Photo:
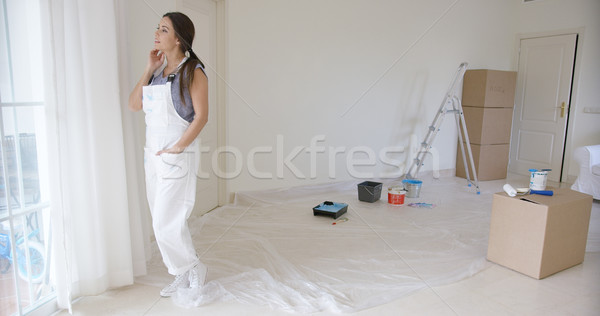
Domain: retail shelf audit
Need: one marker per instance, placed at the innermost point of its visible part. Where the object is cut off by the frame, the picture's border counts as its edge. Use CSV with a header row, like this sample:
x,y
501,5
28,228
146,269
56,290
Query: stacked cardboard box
x,y
488,101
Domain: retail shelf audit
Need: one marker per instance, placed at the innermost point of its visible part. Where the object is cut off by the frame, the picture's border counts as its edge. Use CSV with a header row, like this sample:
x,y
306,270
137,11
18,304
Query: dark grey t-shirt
x,y
186,111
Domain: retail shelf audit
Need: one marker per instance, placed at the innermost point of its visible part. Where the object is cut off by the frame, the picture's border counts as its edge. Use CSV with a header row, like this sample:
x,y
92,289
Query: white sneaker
x,y
180,281
197,275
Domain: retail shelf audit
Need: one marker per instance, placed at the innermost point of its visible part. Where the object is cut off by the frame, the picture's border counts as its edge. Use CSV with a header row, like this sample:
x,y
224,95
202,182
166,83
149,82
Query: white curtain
x,y
98,238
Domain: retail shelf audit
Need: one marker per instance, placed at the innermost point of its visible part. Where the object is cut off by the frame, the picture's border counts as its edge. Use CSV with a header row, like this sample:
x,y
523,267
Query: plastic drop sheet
x,y
267,248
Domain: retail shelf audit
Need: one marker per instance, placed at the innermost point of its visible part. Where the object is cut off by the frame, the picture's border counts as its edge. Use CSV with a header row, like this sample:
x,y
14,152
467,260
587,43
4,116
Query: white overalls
x,y
170,178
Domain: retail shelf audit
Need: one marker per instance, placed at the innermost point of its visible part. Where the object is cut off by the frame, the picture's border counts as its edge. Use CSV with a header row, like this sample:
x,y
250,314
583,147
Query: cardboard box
x,y
489,88
539,235
491,161
488,126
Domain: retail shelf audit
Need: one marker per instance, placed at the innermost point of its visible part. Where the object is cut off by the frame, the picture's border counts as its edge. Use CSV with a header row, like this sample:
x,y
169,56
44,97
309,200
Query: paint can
x,y
538,179
412,187
396,195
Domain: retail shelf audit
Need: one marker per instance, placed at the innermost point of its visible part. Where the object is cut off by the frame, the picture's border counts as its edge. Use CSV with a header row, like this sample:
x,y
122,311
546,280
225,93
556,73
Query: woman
x,y
173,92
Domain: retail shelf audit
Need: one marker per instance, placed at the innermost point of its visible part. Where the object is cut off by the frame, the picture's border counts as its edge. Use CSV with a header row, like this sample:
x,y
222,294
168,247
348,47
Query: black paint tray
x,y
331,209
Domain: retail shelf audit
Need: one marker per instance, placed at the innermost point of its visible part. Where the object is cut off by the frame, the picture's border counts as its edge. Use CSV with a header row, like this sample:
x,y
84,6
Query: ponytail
x,y
186,72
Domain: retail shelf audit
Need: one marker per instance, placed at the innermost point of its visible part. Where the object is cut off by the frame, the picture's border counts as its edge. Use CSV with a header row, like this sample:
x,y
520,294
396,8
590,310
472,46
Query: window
x,y
24,202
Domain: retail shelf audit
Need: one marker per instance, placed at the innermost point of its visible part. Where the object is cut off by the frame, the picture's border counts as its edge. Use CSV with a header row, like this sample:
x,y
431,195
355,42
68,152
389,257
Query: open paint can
x,y
412,187
396,195
538,179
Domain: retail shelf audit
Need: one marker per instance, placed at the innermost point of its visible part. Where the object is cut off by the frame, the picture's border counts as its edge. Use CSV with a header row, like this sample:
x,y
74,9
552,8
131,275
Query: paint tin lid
x,y
396,190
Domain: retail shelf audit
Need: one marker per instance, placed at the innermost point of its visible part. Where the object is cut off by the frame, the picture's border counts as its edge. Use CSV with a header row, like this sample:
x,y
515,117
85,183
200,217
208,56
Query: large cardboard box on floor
x,y
491,161
489,88
539,235
488,125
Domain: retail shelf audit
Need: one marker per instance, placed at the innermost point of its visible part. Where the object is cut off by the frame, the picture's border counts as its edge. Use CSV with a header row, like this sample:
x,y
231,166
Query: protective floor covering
x,y
267,248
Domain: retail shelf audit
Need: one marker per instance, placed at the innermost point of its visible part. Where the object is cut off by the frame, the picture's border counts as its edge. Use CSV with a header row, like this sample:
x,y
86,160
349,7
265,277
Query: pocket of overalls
x,y
173,166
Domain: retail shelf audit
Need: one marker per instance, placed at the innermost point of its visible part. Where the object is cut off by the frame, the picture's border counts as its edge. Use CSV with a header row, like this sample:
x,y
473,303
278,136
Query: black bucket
x,y
369,191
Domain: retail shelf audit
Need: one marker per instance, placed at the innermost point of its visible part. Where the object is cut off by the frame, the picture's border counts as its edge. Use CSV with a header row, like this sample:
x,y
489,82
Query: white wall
x,y
555,16
296,67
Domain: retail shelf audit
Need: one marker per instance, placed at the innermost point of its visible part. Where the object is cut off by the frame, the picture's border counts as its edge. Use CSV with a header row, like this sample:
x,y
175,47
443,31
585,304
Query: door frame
x,y
221,68
222,100
567,149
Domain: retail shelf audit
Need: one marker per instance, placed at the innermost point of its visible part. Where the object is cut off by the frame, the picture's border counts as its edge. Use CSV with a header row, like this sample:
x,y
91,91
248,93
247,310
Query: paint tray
x,y
331,209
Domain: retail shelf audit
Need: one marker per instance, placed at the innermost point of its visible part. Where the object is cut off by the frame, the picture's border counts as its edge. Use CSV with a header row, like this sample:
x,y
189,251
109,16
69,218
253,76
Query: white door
x,y
542,102
203,13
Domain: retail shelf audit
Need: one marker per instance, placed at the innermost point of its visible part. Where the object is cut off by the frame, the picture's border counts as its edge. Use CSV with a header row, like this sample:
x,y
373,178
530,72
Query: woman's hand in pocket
x,y
172,150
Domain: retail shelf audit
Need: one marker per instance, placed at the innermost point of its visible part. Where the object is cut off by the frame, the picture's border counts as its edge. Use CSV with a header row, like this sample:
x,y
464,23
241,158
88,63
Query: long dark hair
x,y
185,31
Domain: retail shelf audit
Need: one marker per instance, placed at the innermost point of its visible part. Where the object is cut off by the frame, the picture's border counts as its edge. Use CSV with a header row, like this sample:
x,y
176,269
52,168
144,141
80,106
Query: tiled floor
x,y
494,291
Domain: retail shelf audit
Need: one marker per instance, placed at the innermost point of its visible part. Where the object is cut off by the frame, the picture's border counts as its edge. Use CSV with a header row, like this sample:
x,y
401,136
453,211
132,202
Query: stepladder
x,y
451,104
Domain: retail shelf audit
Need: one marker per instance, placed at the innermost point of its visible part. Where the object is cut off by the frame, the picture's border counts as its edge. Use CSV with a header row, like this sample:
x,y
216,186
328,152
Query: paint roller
x,y
523,191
